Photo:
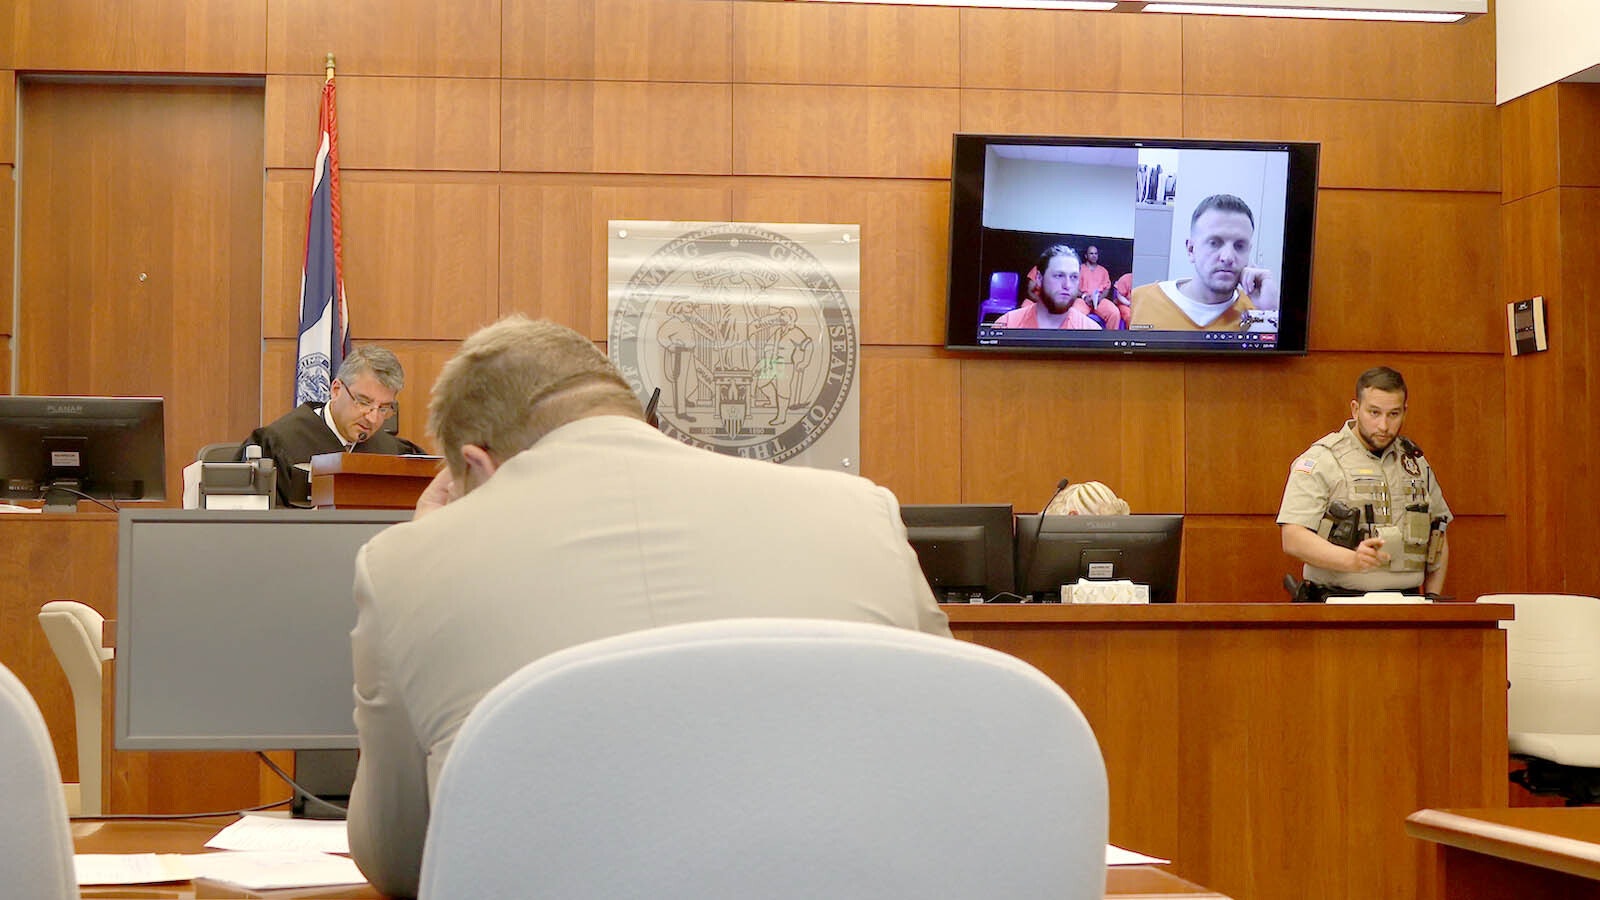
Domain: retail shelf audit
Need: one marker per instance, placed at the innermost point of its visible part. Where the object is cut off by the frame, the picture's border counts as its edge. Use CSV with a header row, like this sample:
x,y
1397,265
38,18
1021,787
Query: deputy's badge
x,y
1304,464
1410,464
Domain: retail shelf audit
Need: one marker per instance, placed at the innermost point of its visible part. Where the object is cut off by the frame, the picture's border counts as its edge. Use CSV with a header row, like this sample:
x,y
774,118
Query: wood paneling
x,y
388,123
553,239
1043,50
1455,412
1529,145
5,365
904,238
140,258
827,43
1376,248
1579,112
1048,112
580,126
877,132
1027,423
1252,547
8,119
1573,436
1367,143
627,40
211,36
1245,56
911,423
421,361
385,37
421,257
8,219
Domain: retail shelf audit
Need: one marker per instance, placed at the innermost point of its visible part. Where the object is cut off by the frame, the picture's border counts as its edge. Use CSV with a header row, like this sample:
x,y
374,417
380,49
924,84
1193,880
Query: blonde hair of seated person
x,y
1087,498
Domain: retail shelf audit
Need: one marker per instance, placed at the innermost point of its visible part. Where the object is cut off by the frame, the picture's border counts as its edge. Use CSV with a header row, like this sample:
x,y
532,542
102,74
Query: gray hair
x,y
515,381
380,362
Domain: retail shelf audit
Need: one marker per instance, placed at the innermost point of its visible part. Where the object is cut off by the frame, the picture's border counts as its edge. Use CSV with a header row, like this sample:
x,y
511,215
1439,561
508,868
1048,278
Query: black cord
x,y
298,788
1027,573
203,815
59,487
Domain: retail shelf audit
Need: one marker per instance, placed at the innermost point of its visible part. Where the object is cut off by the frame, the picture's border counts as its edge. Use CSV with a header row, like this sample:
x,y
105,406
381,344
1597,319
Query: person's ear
x,y
479,462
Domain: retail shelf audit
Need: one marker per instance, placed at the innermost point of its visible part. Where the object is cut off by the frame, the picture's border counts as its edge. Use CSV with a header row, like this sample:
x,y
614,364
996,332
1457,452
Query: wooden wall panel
x,y
904,245
638,40
8,117
911,425
578,126
421,258
421,361
1374,248
5,365
1051,112
1572,441
1456,413
141,257
1529,144
388,123
1256,563
8,220
1028,423
1367,143
209,36
1043,50
553,239
1579,111
1350,60
385,37
879,132
825,43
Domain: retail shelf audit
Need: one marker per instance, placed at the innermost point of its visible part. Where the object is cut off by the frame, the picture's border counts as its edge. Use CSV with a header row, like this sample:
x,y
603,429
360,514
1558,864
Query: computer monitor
x,y
1142,549
965,549
233,627
61,448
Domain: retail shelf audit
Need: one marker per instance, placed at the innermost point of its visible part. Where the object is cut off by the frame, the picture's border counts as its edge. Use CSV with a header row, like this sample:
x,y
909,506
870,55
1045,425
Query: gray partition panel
x,y
233,628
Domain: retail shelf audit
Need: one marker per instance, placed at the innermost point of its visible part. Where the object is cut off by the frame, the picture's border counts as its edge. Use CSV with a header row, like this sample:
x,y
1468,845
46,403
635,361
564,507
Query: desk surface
x,y
189,836
1555,838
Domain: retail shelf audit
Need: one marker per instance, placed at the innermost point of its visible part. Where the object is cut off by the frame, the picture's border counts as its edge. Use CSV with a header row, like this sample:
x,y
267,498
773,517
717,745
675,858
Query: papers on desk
x,y
1116,856
1379,598
252,870
276,833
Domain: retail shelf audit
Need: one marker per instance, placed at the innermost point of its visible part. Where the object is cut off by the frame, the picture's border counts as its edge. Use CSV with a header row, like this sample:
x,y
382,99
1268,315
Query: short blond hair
x,y
1087,498
515,381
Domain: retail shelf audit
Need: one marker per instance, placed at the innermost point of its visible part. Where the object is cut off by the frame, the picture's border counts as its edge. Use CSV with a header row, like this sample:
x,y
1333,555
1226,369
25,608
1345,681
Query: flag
x,y
324,328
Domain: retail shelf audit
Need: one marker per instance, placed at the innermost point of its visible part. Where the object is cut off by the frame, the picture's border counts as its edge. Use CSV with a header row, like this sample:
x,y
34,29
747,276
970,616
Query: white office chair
x,y
1553,663
772,758
76,634
35,841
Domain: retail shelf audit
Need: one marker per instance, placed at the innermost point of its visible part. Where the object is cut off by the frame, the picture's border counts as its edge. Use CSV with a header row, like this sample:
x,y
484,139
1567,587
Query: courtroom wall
x,y
486,142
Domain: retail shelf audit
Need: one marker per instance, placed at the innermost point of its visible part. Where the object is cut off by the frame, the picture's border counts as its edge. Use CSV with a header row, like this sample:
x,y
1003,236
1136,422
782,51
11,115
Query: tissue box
x,y
1085,591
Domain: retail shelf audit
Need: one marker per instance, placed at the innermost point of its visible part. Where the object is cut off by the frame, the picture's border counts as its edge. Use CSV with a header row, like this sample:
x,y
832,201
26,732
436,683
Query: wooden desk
x,y
1529,853
1274,750
370,480
89,836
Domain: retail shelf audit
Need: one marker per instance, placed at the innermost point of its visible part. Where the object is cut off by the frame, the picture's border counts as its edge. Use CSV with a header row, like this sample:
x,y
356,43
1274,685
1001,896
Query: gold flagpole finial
x,y
329,64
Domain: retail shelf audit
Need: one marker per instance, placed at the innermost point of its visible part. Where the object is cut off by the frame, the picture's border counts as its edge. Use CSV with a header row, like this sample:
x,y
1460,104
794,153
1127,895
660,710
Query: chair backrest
x,y
772,758
35,841
224,451
1553,663
76,634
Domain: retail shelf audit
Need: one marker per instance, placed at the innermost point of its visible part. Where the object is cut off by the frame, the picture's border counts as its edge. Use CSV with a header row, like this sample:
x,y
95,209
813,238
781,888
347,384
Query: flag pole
x,y
329,66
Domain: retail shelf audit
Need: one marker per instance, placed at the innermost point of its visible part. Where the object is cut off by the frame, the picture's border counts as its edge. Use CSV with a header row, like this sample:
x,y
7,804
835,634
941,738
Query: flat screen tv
x,y
60,448
1130,245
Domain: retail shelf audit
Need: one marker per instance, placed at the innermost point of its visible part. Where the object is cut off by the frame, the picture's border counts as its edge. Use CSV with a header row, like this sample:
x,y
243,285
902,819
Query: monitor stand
x,y
62,501
328,774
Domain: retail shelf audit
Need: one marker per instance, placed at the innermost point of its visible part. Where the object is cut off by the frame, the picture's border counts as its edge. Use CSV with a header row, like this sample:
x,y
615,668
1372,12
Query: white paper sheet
x,y
269,870
129,868
1117,856
281,834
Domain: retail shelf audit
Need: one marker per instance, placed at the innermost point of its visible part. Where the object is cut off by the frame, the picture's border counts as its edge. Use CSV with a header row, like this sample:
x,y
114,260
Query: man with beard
x,y
1362,508
1053,290
1225,286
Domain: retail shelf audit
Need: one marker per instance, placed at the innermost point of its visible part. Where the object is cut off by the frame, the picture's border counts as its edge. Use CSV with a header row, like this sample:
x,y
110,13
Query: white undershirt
x,y
327,416
1201,314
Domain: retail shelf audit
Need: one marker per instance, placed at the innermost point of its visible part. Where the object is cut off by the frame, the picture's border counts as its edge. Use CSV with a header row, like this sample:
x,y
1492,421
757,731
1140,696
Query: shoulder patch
x,y
1304,464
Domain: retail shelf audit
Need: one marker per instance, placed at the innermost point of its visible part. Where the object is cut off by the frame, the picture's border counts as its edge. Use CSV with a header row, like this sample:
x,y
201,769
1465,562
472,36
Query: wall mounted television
x,y
1200,247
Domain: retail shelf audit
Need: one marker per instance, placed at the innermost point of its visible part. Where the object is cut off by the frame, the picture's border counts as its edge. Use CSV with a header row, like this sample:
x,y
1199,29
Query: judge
x,y
361,398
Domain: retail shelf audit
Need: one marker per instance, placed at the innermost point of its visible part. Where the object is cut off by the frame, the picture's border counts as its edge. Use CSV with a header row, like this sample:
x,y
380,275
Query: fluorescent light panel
x,y
1208,9
1083,5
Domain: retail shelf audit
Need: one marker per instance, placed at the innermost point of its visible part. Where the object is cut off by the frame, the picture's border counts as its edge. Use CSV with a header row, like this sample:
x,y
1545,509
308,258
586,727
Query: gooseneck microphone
x,y
1033,545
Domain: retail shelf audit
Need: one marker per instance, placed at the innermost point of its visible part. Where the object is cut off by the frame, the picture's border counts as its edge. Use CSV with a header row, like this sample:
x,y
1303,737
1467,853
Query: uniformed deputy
x,y
1362,508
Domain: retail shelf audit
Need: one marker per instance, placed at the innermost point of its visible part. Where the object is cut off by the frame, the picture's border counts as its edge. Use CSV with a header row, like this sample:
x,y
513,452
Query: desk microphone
x,y
1038,527
651,417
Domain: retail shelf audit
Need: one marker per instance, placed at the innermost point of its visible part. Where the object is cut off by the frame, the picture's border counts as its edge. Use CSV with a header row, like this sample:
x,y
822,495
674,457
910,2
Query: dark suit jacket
x,y
300,435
